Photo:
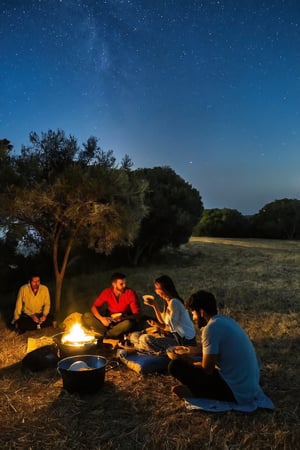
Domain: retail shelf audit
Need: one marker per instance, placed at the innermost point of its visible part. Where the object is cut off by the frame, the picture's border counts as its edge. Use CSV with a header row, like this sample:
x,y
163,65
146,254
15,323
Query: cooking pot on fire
x,y
84,373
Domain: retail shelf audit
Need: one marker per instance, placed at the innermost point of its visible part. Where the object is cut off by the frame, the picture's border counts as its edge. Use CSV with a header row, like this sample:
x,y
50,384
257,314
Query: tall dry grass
x,y
256,282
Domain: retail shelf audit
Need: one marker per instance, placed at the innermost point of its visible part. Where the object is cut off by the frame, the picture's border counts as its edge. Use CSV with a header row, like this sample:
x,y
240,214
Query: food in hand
x,y
116,316
181,350
176,352
148,299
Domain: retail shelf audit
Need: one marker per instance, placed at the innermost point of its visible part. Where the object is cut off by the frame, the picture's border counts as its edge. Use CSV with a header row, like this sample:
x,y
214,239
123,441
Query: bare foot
x,y
113,342
181,391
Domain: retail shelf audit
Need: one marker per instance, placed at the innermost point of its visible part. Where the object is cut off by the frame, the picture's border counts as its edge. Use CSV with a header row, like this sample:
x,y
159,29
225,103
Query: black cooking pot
x,y
69,349
84,373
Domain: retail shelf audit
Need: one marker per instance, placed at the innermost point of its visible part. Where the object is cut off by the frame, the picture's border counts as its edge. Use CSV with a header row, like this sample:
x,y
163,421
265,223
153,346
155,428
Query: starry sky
x,y
210,88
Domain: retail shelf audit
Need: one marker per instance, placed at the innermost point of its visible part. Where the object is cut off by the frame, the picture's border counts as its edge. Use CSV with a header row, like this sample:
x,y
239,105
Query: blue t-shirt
x,y
237,360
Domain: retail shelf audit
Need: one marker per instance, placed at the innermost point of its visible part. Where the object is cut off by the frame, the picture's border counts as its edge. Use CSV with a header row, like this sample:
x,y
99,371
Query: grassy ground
x,y
256,282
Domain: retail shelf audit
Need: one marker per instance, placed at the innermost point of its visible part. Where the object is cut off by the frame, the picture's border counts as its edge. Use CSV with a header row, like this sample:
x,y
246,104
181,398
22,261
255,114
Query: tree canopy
x,y
7,177
66,195
222,223
174,207
278,220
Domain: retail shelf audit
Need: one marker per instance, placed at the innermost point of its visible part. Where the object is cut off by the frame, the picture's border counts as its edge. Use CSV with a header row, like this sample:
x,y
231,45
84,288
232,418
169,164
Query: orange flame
x,y
77,336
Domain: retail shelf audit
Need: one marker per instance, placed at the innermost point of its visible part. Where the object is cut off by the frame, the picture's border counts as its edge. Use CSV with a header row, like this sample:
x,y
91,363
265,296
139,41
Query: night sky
x,y
209,88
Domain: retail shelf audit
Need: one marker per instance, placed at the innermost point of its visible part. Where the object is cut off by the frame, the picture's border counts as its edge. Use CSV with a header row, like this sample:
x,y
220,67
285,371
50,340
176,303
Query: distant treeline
x,y
279,219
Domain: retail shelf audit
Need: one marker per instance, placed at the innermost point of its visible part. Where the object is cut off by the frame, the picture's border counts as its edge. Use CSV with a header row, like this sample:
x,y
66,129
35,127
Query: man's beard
x,y
120,290
201,322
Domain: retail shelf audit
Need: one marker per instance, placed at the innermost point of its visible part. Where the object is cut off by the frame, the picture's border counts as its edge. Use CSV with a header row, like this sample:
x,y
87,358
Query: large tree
x,y
67,196
224,222
7,177
5,147
174,208
279,219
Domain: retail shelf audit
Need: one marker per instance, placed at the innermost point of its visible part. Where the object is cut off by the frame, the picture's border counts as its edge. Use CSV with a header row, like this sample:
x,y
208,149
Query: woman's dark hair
x,y
167,285
202,300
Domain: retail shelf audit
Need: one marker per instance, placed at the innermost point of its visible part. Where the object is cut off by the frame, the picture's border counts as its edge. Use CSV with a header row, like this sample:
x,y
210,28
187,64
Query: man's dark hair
x,y
117,276
202,300
34,275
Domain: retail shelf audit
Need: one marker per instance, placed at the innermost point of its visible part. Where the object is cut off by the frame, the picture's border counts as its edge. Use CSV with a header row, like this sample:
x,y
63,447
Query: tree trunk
x,y
58,288
60,271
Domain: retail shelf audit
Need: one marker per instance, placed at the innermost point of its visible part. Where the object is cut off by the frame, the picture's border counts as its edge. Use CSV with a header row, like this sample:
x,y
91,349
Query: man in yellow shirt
x,y
32,306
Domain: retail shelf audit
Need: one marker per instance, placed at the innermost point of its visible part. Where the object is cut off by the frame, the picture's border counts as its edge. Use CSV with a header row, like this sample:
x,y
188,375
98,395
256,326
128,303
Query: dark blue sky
x,y
209,88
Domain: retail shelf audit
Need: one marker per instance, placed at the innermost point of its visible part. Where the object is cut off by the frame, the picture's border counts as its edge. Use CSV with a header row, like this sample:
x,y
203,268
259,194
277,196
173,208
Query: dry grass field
x,y
256,282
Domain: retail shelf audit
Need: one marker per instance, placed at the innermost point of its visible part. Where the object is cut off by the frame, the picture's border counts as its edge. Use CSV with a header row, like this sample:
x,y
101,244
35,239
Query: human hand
x,y
106,321
35,318
155,331
116,317
152,323
149,300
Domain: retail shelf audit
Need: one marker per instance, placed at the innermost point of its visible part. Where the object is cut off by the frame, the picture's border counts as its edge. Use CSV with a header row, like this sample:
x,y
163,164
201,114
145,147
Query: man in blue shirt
x,y
229,369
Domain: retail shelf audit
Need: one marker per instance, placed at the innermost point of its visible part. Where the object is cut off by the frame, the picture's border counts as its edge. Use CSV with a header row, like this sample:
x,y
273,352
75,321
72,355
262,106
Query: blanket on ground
x,y
210,405
143,363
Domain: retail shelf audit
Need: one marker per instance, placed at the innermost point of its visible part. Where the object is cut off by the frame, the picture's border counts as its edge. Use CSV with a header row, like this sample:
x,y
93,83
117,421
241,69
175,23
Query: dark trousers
x,y
183,341
25,323
199,382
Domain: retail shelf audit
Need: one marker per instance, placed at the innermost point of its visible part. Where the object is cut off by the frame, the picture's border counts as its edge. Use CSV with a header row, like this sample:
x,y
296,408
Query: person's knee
x,y
87,318
86,315
171,366
127,326
121,328
89,321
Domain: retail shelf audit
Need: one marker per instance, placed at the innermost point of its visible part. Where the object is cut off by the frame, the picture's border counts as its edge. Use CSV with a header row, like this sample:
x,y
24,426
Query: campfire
x,y
75,341
77,337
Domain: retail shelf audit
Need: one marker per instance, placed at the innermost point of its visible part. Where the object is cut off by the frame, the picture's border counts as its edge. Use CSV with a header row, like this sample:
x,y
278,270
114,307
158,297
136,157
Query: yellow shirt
x,y
29,304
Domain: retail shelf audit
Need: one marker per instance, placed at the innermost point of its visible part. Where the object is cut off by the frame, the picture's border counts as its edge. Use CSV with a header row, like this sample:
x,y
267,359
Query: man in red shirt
x,y
115,311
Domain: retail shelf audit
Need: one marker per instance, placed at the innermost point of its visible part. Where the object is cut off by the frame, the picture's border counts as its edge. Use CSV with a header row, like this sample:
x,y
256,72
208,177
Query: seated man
x,y
32,306
229,370
122,310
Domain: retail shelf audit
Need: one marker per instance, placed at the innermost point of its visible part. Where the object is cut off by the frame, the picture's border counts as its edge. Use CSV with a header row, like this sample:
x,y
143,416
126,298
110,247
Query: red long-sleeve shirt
x,y
126,304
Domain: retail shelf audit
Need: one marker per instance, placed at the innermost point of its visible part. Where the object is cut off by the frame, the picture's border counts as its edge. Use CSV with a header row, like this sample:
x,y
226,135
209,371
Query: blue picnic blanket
x,y
210,405
143,363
